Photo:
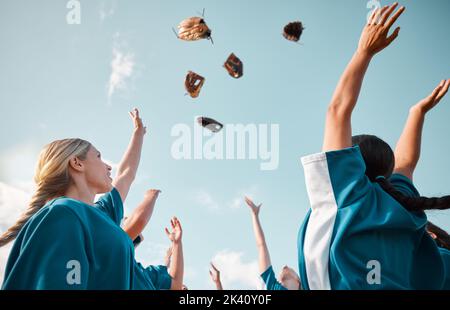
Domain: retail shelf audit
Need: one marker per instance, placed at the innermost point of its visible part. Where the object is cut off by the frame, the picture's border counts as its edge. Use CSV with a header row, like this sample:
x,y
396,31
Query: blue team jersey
x,y
355,230
72,245
270,281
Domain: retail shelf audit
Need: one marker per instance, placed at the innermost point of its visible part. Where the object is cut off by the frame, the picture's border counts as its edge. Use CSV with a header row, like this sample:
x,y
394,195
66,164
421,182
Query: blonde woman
x,y
64,240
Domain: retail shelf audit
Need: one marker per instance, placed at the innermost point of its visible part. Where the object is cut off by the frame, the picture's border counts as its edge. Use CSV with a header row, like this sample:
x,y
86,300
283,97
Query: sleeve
x,y
404,185
159,276
53,256
111,204
336,177
270,280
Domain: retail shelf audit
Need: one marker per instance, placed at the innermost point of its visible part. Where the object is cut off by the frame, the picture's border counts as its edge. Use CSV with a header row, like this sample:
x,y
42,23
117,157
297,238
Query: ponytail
x,y
414,203
52,178
37,202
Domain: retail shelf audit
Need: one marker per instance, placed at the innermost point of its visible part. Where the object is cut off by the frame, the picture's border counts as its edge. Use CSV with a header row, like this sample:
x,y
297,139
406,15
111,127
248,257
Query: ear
x,y
76,164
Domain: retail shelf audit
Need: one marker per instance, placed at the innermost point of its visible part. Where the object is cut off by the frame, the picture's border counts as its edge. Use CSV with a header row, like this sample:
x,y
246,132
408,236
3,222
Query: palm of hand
x,y
176,233
138,125
251,204
435,97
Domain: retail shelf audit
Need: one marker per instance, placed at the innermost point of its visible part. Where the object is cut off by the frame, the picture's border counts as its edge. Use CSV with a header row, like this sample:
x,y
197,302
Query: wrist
x,y
139,131
364,54
418,109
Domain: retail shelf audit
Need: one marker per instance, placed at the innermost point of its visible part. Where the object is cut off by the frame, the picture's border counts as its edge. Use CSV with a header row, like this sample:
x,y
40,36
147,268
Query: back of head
x,y
52,178
380,161
378,156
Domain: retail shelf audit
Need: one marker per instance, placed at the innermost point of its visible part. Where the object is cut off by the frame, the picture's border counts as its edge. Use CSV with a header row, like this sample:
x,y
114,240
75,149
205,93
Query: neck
x,y
81,192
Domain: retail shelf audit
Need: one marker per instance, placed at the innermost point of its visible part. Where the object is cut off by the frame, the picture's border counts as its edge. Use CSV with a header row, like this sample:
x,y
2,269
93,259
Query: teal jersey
x,y
69,244
357,236
270,281
445,254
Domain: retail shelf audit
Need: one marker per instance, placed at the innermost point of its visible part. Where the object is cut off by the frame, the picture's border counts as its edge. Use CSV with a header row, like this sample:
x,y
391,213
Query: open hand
x,y
374,37
138,126
255,208
175,234
434,98
214,273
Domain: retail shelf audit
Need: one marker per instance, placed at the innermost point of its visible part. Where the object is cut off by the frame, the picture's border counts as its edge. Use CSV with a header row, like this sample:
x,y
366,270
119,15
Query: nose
x,y
108,167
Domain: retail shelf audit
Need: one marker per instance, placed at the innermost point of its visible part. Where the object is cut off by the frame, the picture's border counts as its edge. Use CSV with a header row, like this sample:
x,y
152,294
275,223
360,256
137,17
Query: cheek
x,y
96,173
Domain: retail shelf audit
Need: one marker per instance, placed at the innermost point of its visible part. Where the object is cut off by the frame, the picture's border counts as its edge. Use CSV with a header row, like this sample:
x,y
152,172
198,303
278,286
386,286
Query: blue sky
x,y
59,80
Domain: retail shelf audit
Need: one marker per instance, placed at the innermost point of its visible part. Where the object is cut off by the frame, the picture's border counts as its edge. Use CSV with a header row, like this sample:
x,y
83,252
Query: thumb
x,y
393,36
436,91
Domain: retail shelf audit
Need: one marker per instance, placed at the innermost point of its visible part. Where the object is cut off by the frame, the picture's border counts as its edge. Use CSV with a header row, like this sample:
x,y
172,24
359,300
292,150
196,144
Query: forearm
x,y
348,89
263,252
130,161
139,219
338,131
407,151
177,266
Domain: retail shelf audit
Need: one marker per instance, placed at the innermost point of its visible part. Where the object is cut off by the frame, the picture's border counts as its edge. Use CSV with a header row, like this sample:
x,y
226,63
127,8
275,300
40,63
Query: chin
x,y
107,188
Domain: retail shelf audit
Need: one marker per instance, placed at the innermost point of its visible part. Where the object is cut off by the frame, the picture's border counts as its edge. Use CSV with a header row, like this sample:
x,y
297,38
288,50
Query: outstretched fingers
x,y
443,89
214,267
388,13
167,232
394,17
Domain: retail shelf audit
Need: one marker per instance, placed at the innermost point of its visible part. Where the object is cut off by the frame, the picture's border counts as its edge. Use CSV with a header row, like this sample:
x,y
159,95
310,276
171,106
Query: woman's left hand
x,y
434,98
138,126
175,234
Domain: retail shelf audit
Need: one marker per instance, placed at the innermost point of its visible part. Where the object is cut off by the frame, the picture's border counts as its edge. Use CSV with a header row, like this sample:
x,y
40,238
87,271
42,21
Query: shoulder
x,y
112,196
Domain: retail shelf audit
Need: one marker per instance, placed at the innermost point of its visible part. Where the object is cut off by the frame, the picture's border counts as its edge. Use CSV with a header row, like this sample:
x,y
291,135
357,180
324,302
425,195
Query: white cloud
x,y
238,201
235,273
18,163
151,253
13,201
122,66
206,200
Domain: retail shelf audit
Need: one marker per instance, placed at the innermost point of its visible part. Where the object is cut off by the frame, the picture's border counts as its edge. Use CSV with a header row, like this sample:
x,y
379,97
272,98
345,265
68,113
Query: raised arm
x,y
136,222
128,166
215,276
374,38
177,264
168,257
407,152
263,251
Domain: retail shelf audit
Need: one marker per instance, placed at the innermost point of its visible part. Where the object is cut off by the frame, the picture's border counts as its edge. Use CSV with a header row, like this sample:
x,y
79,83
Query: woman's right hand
x,y
374,37
137,121
434,98
214,273
176,233
255,209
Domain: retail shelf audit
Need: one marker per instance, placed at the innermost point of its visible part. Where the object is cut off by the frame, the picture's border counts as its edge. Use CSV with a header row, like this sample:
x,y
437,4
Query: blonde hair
x,y
52,179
